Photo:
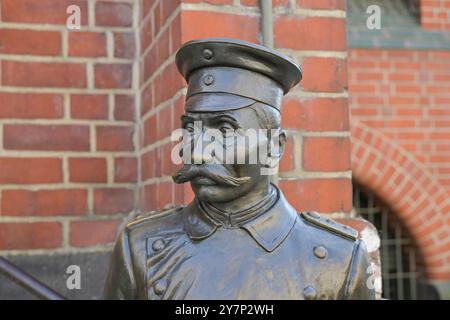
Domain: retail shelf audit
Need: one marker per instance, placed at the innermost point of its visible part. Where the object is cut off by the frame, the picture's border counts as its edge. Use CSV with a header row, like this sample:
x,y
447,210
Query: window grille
x,y
400,261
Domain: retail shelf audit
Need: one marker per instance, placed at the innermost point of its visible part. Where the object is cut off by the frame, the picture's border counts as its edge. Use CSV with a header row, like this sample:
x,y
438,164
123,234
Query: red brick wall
x,y
405,95
68,166
401,141
435,14
161,101
315,113
86,116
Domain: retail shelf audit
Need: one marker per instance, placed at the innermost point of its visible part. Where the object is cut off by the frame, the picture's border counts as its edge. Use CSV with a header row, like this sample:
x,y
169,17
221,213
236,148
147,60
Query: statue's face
x,y
213,176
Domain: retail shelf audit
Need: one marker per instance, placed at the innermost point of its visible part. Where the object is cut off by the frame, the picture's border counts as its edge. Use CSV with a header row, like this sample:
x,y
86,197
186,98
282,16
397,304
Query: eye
x,y
226,128
189,126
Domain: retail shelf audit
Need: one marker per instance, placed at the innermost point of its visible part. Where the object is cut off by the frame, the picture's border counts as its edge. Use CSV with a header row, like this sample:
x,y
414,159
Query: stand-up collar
x,y
268,229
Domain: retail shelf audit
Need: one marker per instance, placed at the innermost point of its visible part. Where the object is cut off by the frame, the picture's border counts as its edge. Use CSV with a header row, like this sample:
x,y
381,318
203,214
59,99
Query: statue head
x,y
232,135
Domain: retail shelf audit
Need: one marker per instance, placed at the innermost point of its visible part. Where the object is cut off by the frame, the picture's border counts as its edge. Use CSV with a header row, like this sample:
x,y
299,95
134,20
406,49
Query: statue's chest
x,y
228,265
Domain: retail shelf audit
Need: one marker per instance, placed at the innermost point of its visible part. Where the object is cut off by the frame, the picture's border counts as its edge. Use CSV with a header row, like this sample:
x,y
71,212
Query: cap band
x,y
240,82
212,102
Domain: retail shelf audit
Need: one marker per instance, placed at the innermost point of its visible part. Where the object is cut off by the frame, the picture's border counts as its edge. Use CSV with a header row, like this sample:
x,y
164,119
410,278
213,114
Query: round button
x,y
160,286
158,245
208,80
207,54
314,214
309,293
320,252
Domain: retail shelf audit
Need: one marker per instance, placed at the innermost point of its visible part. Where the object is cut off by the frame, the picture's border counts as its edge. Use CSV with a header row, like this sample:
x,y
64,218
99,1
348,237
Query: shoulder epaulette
x,y
152,215
330,225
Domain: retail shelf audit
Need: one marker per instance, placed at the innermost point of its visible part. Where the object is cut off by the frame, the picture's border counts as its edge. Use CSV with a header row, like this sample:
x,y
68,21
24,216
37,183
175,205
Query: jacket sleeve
x,y
120,283
359,284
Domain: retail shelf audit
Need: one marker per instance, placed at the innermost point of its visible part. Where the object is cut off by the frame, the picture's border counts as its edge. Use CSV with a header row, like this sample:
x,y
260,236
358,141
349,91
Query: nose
x,y
201,149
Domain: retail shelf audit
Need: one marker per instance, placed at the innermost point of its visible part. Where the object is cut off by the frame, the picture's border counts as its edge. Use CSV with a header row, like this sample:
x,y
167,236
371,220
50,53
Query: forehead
x,y
245,117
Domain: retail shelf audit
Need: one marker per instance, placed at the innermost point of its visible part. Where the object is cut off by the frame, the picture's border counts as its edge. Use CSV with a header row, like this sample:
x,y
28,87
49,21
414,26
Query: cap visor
x,y
213,102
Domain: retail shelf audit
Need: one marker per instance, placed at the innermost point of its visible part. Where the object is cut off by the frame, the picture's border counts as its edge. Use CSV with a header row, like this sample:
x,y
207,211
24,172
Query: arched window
x,y
401,263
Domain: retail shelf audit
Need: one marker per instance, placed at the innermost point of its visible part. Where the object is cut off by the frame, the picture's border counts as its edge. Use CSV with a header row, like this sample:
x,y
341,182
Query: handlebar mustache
x,y
215,172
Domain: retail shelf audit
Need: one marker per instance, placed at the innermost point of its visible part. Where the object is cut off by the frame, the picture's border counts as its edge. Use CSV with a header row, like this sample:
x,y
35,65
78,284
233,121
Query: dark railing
x,y
27,281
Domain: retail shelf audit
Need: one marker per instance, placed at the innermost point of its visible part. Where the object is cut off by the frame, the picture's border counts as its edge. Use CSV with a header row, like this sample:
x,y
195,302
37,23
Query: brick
x,y
45,43
146,34
113,200
363,111
113,75
115,138
31,106
94,232
176,33
87,44
401,101
36,235
326,154
57,75
314,114
41,11
222,2
165,194
167,165
124,109
367,76
157,16
148,165
372,100
219,25
125,169
324,74
146,99
30,170
89,170
89,106
323,33
148,197
321,4
124,45
46,137
414,89
151,63
113,14
322,195
158,162
150,130
401,77
67,202
164,92
164,123
163,46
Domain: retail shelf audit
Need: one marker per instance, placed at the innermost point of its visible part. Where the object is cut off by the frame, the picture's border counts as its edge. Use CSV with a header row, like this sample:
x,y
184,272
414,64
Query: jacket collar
x,y
269,229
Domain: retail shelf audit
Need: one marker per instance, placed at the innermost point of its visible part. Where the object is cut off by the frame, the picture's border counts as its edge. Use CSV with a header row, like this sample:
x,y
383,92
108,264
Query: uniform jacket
x,y
180,253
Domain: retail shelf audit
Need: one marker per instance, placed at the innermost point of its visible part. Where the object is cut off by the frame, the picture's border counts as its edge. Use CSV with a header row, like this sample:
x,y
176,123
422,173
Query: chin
x,y
215,193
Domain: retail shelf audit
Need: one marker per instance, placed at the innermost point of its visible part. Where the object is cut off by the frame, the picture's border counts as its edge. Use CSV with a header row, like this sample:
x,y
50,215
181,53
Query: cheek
x,y
250,151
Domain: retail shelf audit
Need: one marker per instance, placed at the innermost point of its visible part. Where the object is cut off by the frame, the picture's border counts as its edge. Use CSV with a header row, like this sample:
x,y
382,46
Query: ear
x,y
280,139
282,142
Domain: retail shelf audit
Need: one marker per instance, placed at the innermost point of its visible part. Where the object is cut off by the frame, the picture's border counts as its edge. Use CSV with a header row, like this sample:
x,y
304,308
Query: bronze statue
x,y
239,238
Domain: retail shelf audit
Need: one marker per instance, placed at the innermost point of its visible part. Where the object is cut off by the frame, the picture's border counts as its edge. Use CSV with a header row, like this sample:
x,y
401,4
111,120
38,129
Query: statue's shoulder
x,y
330,226
168,217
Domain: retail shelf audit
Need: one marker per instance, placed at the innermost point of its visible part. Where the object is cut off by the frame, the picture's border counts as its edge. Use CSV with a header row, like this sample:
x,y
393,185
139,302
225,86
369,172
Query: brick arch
x,y
401,181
